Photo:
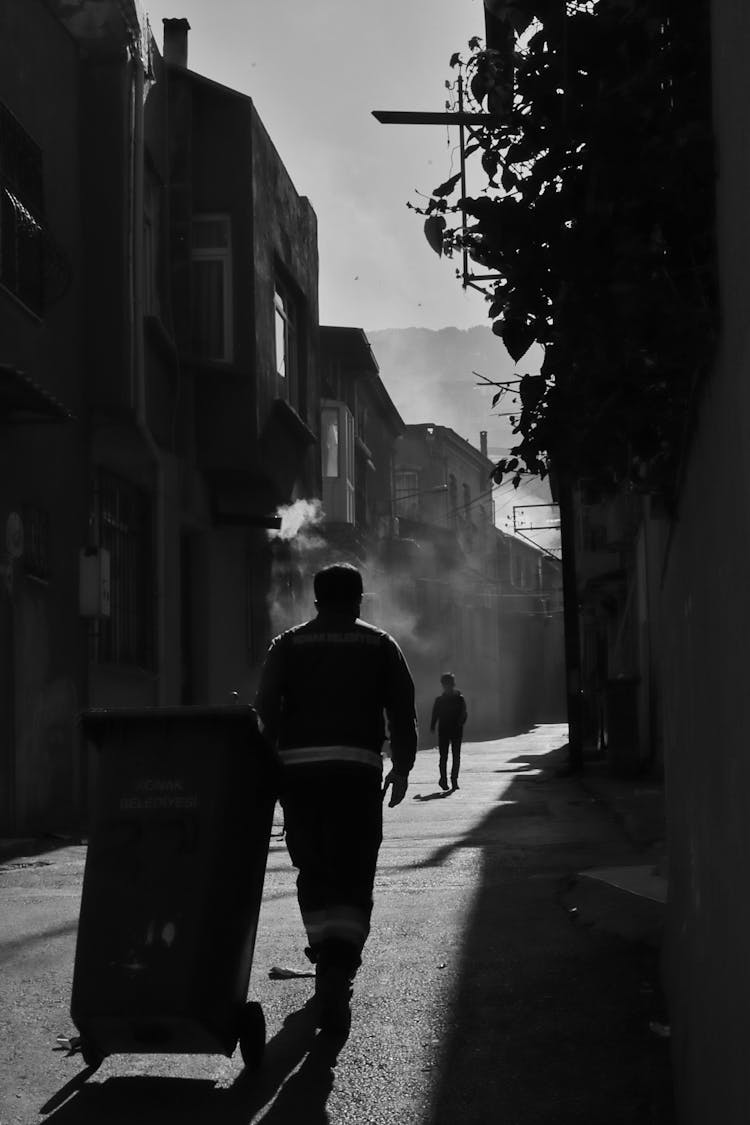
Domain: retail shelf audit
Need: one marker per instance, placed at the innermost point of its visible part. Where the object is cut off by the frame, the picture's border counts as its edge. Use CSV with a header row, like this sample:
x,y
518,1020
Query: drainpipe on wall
x,y
571,622
137,351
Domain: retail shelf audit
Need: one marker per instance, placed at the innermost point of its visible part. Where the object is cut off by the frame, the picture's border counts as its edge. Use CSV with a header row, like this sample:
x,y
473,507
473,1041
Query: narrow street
x,y
484,996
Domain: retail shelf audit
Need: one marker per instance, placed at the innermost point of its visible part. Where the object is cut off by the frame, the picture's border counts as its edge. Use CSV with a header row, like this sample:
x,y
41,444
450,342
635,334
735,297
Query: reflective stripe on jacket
x,y
308,755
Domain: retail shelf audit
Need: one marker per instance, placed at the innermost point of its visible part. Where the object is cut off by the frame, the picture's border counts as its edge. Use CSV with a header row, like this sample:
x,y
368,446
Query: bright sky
x,y
315,70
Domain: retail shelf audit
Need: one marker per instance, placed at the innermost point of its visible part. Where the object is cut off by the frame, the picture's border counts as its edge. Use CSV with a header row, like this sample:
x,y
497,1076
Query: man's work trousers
x,y
450,737
334,828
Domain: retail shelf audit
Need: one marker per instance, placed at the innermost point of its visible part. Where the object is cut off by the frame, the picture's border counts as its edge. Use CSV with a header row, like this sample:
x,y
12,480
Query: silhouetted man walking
x,y
324,690
449,714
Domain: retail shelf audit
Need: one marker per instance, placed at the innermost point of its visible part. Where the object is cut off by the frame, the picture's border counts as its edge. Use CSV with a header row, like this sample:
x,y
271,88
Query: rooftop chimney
x,y
176,42
483,442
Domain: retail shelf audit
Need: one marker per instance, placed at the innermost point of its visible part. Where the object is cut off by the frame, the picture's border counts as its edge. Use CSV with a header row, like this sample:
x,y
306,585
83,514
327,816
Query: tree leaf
x,y
455,59
475,43
499,100
517,337
478,87
490,162
448,186
498,305
509,179
498,472
433,232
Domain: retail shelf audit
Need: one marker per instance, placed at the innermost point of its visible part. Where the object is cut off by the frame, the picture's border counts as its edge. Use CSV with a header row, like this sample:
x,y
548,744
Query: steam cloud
x,y
299,550
298,521
426,604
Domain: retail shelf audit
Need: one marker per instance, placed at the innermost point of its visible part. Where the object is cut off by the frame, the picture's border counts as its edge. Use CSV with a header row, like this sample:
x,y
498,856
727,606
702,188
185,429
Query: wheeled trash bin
x,y
183,807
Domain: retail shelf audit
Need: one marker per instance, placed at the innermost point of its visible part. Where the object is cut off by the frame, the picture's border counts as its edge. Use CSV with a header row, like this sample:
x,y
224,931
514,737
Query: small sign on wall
x,y
94,583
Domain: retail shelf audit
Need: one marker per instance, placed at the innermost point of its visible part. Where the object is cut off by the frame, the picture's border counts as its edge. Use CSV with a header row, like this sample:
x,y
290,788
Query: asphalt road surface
x,y
480,1000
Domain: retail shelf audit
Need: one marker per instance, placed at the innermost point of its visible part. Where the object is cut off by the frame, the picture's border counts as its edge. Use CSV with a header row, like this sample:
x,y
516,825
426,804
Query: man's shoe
x,y
443,783
333,993
455,785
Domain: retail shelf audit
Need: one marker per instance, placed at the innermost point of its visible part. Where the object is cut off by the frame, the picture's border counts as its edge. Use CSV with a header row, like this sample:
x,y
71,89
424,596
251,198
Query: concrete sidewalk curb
x,y
24,847
627,900
613,910
637,803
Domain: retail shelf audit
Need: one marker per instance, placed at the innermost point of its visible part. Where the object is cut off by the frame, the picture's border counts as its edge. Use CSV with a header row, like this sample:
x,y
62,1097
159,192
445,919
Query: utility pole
x,y
501,38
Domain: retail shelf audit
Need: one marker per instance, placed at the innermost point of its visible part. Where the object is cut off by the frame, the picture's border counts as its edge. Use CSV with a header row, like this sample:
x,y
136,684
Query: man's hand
x,y
399,783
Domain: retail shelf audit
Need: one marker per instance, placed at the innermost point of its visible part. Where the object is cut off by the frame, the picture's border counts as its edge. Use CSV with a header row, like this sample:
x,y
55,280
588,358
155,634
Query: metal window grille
x,y
211,288
22,256
407,500
123,519
36,543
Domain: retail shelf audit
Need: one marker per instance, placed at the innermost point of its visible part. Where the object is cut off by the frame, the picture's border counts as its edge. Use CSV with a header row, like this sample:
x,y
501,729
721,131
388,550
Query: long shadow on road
x,y
300,1094
549,1021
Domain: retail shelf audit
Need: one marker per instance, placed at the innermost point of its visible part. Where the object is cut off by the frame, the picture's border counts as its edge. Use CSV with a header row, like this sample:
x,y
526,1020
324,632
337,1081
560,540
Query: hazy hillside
x,y
429,375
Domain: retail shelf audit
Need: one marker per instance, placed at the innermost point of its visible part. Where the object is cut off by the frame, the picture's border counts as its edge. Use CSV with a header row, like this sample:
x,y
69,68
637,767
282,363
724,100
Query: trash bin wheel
x,y
90,1054
252,1034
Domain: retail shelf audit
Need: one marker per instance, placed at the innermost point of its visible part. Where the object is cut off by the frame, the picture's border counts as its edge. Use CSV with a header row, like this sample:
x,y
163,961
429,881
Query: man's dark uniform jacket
x,y
323,691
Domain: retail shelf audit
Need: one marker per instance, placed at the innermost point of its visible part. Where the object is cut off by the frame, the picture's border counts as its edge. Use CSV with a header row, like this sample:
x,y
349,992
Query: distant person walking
x,y
325,688
449,715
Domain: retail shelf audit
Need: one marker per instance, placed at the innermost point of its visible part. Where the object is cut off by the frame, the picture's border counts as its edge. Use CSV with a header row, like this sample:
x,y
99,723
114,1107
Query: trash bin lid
x,y
98,719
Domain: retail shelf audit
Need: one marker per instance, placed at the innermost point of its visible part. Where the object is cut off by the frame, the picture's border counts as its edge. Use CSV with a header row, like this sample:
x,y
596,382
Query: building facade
x,y
158,385
703,620
486,605
244,269
360,428
658,643
43,461
619,542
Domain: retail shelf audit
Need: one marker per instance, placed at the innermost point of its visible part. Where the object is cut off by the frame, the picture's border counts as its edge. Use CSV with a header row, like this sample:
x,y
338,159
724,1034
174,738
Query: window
x,y
337,425
330,426
21,210
284,335
122,519
466,506
211,293
524,570
407,502
287,350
